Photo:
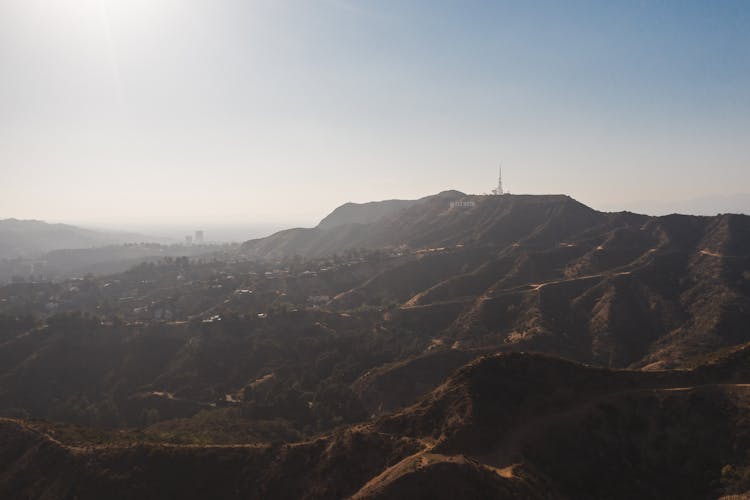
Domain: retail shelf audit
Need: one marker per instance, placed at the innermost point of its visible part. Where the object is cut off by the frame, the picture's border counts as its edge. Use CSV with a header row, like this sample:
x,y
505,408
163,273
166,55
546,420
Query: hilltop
x,y
447,218
548,273
364,213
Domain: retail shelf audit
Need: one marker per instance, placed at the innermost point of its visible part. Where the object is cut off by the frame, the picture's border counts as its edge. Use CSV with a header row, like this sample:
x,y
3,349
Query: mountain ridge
x,y
363,213
484,346
502,426
449,217
32,237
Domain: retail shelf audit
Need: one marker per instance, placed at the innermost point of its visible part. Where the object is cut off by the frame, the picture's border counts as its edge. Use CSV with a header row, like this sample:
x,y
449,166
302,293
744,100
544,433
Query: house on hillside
x,y
319,299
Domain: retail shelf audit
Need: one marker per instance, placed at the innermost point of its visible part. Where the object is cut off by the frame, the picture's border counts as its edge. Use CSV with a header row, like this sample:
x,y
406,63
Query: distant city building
x,y
199,237
188,240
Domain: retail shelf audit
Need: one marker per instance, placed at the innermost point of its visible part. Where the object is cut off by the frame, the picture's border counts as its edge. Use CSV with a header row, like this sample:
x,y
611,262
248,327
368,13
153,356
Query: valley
x,y
476,347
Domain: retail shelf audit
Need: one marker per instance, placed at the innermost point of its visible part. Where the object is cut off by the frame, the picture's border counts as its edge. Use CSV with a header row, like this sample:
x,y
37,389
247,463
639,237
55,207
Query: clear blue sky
x,y
276,110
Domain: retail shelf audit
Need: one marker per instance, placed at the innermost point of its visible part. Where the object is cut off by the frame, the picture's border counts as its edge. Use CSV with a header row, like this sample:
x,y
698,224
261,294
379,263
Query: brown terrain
x,y
504,426
501,347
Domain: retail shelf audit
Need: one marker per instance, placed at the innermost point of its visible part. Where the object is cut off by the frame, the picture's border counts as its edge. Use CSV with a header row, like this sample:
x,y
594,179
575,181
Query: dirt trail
x,y
490,294
95,446
535,287
708,252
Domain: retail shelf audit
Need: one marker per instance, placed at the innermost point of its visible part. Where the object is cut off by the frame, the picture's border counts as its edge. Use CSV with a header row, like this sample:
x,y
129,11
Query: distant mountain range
x,y
456,346
706,205
31,238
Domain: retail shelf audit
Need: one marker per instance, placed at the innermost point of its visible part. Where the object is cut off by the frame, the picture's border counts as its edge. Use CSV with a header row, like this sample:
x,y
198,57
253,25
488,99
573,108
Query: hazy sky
x,y
280,110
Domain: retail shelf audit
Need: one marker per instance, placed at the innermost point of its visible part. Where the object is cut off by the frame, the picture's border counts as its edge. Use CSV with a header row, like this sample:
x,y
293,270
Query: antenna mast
x,y
500,179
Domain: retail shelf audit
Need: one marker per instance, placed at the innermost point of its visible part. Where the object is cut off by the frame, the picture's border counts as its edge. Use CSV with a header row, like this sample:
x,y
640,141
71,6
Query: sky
x,y
276,111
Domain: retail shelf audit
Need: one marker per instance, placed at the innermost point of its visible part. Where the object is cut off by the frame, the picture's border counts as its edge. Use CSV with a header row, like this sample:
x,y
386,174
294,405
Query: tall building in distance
x,y
199,237
188,240
499,189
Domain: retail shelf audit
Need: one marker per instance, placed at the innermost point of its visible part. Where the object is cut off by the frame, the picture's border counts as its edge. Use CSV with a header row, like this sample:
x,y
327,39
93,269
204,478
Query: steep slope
x,y
364,213
582,432
633,291
36,465
656,308
504,426
446,219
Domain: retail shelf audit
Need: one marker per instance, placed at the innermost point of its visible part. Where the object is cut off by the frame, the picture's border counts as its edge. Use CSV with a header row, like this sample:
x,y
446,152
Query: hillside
x,y
31,238
548,273
513,422
100,260
445,219
364,213
533,273
507,426
460,347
